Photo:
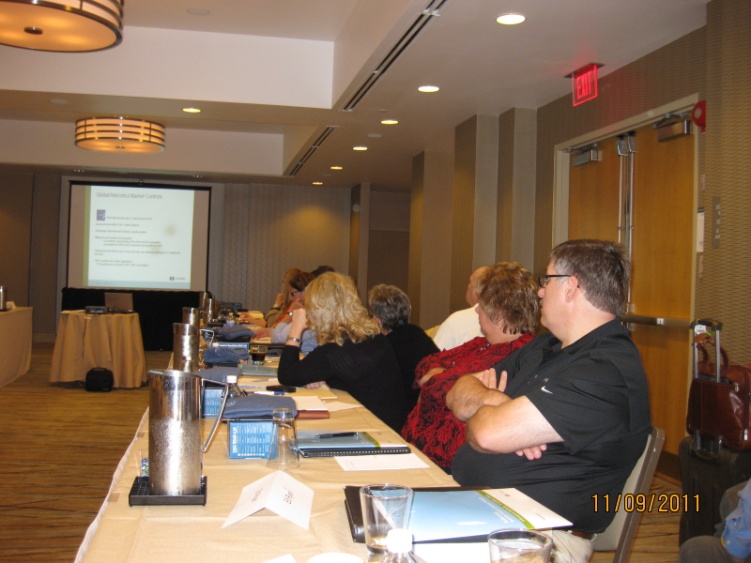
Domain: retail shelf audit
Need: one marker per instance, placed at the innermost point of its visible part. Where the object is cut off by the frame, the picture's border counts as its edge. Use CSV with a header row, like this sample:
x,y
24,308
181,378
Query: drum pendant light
x,y
61,25
120,134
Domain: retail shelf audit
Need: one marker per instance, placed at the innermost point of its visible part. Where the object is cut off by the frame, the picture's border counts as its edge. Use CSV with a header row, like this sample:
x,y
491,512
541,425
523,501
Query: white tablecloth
x,y
15,343
108,341
194,533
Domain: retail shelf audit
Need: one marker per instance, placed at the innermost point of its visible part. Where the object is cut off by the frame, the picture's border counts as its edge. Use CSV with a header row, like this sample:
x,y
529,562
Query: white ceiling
x,y
265,101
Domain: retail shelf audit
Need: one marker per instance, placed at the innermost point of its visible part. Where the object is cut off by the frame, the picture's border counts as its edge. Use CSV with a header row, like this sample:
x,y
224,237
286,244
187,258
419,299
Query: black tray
x,y
141,496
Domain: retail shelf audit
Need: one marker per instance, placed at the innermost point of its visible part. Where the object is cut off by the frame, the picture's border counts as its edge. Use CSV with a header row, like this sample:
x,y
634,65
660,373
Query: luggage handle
x,y
707,454
708,330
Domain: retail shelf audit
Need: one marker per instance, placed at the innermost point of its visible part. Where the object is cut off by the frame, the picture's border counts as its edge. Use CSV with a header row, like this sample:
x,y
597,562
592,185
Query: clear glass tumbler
x,y
285,456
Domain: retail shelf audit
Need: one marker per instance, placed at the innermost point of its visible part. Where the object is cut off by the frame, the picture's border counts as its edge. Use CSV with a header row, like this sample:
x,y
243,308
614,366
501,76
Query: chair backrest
x,y
620,533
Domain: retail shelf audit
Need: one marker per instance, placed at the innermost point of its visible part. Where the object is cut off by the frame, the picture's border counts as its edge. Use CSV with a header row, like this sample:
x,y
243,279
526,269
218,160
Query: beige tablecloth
x,y
15,343
195,533
110,341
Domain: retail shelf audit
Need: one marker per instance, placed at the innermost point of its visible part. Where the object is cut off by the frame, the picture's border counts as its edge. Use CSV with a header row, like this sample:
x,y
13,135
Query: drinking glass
x,y
384,507
287,456
519,546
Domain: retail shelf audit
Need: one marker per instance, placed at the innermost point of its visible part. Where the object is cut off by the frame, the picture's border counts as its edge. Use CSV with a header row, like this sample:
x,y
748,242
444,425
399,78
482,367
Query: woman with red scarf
x,y
508,310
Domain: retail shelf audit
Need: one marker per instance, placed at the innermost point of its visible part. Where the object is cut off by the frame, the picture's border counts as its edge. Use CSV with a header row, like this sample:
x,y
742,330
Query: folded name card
x,y
279,492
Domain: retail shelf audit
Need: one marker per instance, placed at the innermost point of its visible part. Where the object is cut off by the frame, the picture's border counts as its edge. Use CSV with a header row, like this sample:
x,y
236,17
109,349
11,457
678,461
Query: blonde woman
x,y
352,354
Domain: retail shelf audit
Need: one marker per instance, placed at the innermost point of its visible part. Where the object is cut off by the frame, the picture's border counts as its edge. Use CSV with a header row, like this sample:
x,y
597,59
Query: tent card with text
x,y
280,493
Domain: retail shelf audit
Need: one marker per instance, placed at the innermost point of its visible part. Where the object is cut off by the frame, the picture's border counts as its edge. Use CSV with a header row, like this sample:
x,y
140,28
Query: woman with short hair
x,y
508,310
392,308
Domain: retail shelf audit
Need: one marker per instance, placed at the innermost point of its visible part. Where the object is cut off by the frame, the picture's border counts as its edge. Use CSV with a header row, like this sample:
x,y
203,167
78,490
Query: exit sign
x,y
584,84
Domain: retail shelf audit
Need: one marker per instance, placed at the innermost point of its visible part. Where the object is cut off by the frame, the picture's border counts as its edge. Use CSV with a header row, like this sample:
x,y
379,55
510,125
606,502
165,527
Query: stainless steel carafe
x,y
175,449
192,316
185,347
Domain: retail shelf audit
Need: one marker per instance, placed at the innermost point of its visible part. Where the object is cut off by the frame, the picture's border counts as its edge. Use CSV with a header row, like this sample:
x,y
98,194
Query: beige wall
x,y
431,233
268,229
16,197
388,240
723,289
517,135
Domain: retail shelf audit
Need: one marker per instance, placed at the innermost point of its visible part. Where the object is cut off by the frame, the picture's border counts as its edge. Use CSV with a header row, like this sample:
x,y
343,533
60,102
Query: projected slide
x,y
137,237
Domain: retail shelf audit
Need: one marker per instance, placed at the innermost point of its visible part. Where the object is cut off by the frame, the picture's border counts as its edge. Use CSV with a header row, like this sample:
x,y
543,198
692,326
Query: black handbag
x,y
99,379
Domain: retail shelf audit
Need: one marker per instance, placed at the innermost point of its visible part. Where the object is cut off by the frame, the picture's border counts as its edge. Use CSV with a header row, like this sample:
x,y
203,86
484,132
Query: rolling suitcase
x,y
708,468
707,471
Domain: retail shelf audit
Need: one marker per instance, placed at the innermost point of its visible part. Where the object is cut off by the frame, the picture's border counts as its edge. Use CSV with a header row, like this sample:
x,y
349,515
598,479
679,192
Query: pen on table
x,y
335,435
269,393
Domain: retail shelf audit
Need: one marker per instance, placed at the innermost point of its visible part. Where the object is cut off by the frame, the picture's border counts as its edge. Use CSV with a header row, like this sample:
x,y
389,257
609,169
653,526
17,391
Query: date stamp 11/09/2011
x,y
664,503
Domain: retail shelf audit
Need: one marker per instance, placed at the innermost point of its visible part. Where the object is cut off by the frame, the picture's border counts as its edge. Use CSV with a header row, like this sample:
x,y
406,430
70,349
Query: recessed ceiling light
x,y
428,88
389,122
337,168
318,183
359,148
510,19
192,110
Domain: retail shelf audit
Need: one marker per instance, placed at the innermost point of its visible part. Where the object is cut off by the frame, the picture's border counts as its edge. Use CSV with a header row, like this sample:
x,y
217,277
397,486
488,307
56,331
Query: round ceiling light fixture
x,y
120,134
73,26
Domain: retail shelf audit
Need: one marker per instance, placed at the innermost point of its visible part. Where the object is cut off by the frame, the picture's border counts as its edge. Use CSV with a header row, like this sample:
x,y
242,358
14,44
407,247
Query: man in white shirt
x,y
461,326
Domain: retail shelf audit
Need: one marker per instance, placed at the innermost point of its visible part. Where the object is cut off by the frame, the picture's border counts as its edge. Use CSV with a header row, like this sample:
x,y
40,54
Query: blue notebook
x,y
455,514
323,443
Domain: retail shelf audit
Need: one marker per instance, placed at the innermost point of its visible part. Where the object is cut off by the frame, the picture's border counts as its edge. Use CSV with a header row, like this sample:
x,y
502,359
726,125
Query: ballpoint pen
x,y
269,393
335,435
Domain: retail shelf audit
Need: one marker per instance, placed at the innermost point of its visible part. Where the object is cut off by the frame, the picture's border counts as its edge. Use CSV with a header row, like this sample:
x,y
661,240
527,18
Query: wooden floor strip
x,y
60,446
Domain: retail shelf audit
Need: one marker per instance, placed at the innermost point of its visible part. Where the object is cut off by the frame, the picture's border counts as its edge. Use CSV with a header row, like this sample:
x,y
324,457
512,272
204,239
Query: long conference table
x,y
194,533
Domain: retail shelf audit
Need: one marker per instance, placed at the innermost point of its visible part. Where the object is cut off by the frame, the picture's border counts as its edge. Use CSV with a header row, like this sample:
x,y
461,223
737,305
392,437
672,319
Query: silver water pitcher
x,y
175,455
192,316
185,347
210,310
175,449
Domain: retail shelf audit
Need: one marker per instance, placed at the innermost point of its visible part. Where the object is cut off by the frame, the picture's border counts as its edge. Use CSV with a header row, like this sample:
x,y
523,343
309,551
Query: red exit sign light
x,y
584,84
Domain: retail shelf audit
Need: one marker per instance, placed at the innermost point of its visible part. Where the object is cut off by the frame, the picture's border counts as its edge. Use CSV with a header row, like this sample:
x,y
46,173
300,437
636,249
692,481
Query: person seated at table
x,y
280,331
567,416
322,270
461,326
507,309
391,308
731,542
352,354
282,298
253,318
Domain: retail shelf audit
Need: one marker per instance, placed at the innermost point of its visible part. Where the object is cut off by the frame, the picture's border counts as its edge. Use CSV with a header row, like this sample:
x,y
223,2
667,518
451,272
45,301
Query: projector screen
x,y
138,236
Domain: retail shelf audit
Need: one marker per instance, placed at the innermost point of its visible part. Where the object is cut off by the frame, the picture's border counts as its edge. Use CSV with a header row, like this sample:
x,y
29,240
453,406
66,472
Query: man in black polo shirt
x,y
569,415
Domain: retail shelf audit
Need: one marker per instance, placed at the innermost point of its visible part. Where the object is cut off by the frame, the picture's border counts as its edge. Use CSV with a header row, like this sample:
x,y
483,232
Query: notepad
x,y
310,443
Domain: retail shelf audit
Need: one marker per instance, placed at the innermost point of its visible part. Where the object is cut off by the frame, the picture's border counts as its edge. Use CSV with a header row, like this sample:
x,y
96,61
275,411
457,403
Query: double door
x,y
640,191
